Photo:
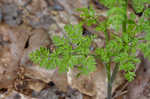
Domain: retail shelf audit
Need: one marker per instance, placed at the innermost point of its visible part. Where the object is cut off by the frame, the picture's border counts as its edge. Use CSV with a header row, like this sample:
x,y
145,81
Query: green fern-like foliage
x,y
144,25
139,5
112,3
88,15
72,50
121,49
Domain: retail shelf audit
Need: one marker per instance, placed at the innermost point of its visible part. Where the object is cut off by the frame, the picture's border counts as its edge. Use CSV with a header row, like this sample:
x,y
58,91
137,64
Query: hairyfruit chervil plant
x,y
122,41
72,50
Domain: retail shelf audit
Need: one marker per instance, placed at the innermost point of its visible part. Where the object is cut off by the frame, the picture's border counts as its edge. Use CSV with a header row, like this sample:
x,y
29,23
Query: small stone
x,y
11,14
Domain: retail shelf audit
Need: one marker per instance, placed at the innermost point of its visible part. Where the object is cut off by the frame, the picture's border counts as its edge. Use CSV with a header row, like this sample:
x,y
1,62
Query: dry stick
x,y
121,92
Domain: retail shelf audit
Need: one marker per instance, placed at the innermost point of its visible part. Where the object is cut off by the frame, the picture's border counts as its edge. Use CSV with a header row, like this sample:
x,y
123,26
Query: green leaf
x,y
88,15
127,67
130,76
116,17
147,13
58,41
132,16
138,5
112,3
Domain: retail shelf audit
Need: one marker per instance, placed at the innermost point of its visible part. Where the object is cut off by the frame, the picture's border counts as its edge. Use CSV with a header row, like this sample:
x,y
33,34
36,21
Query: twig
x,y
121,92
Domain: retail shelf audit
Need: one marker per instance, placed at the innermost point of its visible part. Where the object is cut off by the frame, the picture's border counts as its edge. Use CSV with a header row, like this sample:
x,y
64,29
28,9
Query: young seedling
x,y
122,41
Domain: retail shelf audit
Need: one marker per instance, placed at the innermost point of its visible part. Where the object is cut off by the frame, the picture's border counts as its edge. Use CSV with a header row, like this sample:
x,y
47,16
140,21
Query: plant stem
x,y
109,89
111,80
108,71
115,71
124,25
